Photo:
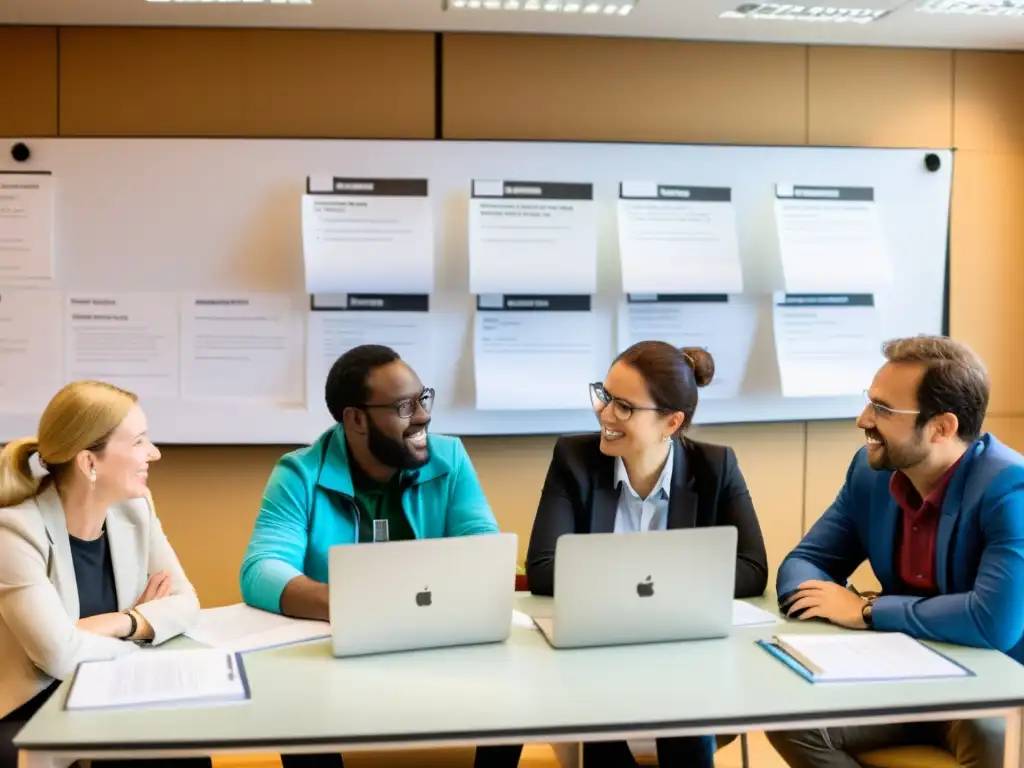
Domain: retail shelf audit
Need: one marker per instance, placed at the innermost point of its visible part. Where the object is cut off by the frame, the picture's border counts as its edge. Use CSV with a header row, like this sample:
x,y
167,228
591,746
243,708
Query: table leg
x,y
1013,748
568,754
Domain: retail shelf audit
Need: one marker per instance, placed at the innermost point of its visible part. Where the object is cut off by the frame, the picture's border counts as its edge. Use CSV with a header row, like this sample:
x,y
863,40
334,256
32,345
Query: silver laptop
x,y
657,586
427,593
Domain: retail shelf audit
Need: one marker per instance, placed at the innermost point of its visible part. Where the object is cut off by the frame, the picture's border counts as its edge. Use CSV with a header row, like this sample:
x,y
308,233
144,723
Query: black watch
x,y
865,613
135,625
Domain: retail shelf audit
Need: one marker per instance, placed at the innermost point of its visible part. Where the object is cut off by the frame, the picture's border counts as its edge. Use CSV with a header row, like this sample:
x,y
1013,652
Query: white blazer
x,y
39,642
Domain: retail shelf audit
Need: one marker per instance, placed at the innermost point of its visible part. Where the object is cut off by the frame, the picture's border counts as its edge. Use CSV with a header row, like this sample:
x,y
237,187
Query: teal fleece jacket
x,y
308,507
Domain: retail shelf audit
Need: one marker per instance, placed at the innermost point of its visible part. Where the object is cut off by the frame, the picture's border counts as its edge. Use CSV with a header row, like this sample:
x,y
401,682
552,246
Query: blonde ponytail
x,y
17,483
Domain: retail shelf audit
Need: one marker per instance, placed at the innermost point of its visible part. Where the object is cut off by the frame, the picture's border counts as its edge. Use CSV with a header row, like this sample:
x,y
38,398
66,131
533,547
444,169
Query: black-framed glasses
x,y
406,408
885,410
601,399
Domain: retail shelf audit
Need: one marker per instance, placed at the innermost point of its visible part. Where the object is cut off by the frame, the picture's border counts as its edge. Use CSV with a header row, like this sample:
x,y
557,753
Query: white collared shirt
x,y
635,514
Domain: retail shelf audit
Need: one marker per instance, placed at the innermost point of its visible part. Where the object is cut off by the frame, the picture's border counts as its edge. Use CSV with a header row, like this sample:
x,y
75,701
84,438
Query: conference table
x,y
521,691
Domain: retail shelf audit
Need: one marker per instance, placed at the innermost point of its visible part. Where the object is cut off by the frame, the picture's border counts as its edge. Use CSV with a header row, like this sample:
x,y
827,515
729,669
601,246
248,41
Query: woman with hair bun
x,y
628,477
85,569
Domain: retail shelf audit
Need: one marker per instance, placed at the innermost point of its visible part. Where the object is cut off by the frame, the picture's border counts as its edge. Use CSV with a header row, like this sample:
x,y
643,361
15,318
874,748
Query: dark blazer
x,y
580,496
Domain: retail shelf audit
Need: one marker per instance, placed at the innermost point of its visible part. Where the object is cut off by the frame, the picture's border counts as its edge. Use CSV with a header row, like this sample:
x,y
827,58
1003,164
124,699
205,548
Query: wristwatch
x,y
865,613
135,624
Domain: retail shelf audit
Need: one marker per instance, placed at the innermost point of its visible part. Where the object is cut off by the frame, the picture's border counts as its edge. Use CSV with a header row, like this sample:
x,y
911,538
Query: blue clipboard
x,y
806,674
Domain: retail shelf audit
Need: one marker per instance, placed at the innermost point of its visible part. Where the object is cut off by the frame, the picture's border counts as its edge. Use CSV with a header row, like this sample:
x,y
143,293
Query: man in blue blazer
x,y
937,508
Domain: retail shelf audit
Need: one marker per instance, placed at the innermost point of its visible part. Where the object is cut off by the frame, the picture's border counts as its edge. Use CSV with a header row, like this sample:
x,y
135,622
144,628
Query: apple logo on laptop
x,y
423,598
645,588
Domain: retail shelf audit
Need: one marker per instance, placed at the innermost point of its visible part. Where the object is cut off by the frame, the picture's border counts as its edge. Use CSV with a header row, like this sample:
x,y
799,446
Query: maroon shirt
x,y
915,556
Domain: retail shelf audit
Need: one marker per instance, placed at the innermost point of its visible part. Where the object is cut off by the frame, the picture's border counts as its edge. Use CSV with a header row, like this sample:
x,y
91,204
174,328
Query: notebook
x,y
157,678
862,657
242,628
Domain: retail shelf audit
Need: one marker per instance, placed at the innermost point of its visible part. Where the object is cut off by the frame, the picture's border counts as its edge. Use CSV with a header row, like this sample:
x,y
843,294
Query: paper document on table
x,y
241,628
678,239
520,619
831,239
26,227
532,237
159,678
747,615
862,657
826,344
533,360
367,235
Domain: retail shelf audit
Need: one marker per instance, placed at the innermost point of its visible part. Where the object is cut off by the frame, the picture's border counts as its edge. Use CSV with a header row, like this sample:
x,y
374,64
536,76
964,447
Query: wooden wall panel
x,y
830,449
339,84
207,499
535,87
28,89
880,97
246,83
771,460
989,104
151,82
987,270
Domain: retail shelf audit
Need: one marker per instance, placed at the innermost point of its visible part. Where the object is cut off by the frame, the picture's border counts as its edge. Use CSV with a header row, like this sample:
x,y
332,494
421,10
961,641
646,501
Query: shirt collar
x,y
903,491
664,484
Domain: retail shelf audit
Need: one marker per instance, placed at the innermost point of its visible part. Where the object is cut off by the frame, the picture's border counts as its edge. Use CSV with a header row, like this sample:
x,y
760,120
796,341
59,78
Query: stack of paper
x,y
862,657
747,615
240,628
160,679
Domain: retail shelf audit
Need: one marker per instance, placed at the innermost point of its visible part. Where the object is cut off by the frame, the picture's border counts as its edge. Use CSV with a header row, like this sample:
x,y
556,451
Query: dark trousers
x,y
683,752
504,756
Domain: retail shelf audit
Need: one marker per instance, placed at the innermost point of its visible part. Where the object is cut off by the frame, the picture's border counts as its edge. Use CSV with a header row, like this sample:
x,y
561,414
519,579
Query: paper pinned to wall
x,y
367,235
31,357
534,352
128,339
831,239
243,347
26,227
528,237
678,239
343,321
723,325
826,344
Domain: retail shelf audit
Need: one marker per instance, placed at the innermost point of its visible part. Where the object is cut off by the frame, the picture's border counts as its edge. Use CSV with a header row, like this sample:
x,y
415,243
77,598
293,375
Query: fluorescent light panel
x,y
604,7
808,13
973,7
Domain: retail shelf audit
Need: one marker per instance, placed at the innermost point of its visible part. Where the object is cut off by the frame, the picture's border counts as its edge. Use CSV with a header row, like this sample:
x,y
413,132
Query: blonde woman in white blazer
x,y
85,569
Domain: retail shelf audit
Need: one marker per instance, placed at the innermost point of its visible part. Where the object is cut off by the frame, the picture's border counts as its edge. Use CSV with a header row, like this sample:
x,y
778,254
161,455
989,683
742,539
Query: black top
x,y
94,575
580,496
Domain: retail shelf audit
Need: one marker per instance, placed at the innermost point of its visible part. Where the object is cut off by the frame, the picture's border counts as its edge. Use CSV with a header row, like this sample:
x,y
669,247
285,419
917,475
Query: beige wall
x,y
128,82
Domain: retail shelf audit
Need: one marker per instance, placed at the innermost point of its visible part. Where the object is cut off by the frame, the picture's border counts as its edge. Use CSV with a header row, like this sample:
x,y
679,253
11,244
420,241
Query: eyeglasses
x,y
406,408
884,410
622,410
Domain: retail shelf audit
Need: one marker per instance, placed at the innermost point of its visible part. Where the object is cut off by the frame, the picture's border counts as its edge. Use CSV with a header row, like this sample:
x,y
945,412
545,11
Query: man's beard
x,y
393,453
898,457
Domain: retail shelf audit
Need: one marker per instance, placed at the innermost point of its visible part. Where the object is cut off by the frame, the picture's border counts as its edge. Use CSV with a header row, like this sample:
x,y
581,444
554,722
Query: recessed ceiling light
x,y
623,8
974,7
811,13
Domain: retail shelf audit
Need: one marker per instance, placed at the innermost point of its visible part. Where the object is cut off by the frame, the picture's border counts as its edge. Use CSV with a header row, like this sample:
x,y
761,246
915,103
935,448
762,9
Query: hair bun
x,y
702,363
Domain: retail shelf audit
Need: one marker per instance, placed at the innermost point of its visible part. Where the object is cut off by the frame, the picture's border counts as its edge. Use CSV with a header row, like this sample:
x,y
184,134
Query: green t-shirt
x,y
380,501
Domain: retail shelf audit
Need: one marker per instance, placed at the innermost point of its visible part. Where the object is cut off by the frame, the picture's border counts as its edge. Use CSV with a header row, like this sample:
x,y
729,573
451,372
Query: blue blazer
x,y
979,551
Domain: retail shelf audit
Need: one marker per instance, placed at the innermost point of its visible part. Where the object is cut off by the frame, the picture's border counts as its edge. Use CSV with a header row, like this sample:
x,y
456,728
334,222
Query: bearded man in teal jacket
x,y
377,466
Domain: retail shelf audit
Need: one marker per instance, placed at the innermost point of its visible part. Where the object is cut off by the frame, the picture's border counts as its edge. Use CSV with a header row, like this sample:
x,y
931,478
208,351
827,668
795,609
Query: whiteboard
x,y
188,215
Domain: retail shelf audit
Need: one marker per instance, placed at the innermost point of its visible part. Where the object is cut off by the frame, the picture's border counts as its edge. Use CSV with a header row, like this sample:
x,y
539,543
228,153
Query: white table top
x,y
523,691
